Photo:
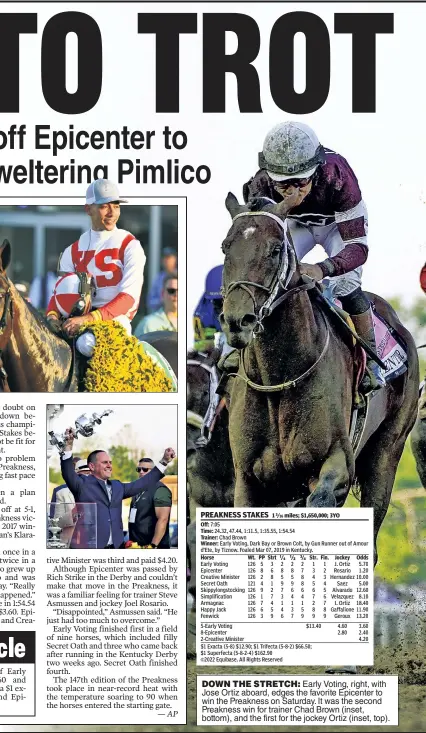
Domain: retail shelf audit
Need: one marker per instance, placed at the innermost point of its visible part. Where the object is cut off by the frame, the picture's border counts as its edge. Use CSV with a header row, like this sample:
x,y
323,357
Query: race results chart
x,y
285,586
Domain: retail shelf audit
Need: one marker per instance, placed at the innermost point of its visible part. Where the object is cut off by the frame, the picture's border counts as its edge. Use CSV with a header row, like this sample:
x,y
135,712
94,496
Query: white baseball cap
x,y
82,465
103,191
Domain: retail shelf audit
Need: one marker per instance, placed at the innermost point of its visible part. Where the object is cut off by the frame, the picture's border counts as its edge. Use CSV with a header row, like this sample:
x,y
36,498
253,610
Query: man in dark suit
x,y
150,512
107,494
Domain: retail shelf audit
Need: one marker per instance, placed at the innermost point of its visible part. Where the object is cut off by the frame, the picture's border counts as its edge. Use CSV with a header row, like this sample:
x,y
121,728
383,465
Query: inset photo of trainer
x,y
112,477
90,291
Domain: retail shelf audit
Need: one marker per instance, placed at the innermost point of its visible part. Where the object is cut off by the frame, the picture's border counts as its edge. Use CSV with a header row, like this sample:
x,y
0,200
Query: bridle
x,y
280,280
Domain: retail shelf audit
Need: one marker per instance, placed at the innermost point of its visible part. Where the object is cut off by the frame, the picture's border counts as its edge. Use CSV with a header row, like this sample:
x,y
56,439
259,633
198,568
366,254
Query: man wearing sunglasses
x,y
150,512
165,319
329,211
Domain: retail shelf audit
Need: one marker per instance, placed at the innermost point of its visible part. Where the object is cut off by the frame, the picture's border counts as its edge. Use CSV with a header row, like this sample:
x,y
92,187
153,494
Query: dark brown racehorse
x,y
418,443
34,359
209,464
210,470
290,406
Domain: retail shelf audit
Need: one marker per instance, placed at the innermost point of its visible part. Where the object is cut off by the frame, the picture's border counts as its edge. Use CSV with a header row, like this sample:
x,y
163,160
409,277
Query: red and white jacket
x,y
116,262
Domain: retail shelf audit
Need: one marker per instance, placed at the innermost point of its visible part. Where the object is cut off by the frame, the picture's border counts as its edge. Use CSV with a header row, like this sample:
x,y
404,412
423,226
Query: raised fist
x,y
69,439
168,456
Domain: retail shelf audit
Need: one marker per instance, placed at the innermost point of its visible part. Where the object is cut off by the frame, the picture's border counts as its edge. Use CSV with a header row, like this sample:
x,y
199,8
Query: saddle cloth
x,y
390,348
389,345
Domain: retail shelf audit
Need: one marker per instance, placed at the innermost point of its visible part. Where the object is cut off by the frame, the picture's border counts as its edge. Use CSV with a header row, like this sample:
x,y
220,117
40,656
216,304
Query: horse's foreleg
x,y
246,494
376,469
333,480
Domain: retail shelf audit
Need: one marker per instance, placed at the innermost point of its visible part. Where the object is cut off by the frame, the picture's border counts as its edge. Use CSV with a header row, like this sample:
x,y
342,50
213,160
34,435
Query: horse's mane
x,y
259,203
39,317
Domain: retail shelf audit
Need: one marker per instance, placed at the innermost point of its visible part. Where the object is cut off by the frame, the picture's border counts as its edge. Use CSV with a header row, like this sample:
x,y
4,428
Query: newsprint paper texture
x,y
271,158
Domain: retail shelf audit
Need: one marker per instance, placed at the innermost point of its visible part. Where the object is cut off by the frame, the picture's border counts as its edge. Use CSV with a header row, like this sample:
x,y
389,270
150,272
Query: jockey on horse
x,y
329,211
109,263
206,315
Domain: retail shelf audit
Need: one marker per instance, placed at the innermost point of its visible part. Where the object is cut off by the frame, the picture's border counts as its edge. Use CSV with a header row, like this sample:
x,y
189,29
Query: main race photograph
x,y
303,389
89,293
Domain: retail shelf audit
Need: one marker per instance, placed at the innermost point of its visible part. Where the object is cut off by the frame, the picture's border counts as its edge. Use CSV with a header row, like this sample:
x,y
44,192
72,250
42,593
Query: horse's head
x,y
259,261
200,371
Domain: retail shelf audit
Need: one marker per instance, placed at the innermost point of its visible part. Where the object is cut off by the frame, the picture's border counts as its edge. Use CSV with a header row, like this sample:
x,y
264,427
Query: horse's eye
x,y
276,249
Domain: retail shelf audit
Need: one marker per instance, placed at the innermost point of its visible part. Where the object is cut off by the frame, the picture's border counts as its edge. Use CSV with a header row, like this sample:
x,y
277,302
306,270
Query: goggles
x,y
292,183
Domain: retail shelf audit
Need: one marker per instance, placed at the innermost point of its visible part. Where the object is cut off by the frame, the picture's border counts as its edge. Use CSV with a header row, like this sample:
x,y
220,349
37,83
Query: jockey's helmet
x,y
206,315
72,296
291,150
214,283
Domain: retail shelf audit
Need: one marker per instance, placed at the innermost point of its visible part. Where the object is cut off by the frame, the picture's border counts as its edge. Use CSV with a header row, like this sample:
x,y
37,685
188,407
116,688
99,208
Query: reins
x,y
284,385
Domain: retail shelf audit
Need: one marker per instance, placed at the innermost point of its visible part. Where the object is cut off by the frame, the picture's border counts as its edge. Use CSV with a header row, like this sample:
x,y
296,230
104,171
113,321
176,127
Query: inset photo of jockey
x,y
91,291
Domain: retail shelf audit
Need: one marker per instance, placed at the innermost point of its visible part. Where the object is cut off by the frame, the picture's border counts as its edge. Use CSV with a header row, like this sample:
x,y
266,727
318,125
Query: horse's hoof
x,y
346,669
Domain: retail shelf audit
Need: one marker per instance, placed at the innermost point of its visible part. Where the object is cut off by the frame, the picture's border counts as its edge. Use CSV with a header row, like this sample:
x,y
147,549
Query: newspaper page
x,y
213,515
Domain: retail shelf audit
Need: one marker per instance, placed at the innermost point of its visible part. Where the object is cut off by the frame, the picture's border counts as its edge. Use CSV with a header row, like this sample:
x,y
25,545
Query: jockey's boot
x,y
373,378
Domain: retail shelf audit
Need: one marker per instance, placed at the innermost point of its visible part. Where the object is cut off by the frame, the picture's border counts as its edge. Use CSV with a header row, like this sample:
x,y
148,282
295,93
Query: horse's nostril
x,y
248,320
